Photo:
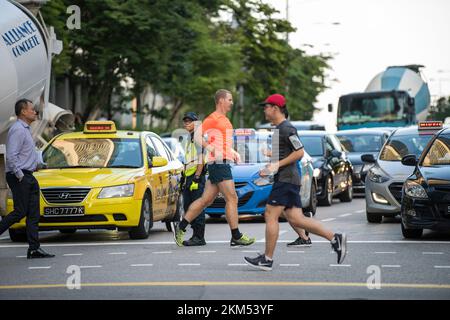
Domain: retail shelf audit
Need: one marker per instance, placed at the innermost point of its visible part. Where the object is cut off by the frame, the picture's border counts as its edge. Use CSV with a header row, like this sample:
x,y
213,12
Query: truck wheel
x,y
374,218
18,235
411,233
142,231
347,195
328,200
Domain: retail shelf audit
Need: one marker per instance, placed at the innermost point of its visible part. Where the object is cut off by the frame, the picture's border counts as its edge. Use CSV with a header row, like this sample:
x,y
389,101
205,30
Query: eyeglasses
x,y
187,121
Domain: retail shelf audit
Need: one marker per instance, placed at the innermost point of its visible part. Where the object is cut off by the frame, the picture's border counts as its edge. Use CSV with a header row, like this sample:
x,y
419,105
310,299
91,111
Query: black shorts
x,y
286,195
218,172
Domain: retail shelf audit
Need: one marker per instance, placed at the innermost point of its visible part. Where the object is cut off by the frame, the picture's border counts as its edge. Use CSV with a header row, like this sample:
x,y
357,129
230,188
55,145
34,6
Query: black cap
x,y
190,115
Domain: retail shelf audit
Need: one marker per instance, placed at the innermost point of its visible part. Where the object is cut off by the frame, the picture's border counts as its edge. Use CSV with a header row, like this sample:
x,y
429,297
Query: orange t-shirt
x,y
219,130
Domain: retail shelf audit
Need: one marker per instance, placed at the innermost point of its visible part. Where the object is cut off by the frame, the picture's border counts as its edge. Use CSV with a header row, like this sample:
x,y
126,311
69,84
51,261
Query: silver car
x,y
385,179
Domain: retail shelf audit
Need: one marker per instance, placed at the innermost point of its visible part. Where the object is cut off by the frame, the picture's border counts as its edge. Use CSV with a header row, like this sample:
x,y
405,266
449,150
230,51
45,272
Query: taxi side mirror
x,y
409,160
159,162
368,158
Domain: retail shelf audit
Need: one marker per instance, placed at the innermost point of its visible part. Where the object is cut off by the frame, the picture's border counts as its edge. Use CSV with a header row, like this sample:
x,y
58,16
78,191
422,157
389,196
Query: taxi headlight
x,y
415,190
375,175
125,190
263,181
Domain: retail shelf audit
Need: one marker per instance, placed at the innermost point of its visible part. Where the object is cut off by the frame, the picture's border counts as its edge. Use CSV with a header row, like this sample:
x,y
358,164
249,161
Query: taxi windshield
x,y
401,145
439,152
93,153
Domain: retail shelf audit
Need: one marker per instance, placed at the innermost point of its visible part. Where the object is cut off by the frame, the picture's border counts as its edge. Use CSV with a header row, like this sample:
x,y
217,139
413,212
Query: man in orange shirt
x,y
219,131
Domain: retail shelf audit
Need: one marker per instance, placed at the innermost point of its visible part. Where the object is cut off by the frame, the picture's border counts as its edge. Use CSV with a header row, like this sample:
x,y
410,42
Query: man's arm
x,y
13,143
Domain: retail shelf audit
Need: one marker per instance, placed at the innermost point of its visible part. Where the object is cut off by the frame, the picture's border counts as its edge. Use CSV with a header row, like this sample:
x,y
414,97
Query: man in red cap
x,y
287,150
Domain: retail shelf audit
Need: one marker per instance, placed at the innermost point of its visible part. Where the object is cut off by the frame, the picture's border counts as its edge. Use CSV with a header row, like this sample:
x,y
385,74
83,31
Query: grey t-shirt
x,y
284,142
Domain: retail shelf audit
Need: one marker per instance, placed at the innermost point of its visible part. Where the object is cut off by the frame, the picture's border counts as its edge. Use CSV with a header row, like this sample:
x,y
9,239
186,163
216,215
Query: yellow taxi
x,y
103,178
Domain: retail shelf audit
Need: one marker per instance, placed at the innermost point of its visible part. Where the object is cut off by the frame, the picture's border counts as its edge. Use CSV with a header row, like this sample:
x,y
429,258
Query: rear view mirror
x,y
159,162
409,160
368,158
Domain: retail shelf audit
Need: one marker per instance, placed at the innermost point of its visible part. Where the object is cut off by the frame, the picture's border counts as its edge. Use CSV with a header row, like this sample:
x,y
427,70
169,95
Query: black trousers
x,y
26,204
198,224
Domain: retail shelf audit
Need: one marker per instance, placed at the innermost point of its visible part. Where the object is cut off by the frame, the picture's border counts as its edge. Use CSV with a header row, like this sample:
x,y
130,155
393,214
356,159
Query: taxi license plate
x,y
63,211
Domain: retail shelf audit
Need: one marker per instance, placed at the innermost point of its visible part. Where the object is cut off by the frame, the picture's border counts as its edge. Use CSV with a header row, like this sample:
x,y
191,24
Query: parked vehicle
x,y
299,125
357,142
332,169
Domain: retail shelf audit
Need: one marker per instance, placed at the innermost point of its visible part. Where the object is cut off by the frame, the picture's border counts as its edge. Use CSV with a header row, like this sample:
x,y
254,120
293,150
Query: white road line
x,y
35,268
432,253
295,251
391,266
142,265
442,267
289,265
250,251
329,219
359,211
206,251
237,264
117,253
162,252
345,215
340,265
386,252
72,254
21,256
189,264
90,267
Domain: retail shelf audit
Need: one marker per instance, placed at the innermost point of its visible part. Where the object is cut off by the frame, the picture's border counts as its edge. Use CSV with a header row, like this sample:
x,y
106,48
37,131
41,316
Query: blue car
x,y
252,190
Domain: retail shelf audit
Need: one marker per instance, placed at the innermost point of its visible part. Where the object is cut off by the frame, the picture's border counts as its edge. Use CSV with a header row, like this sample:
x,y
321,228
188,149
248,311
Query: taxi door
x,y
164,176
155,175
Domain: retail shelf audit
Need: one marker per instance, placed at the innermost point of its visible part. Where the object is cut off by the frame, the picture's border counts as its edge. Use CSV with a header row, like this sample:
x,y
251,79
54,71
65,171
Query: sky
x,y
367,36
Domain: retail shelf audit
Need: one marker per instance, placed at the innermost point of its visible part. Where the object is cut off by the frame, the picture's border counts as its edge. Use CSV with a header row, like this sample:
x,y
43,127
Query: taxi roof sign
x,y
100,127
430,125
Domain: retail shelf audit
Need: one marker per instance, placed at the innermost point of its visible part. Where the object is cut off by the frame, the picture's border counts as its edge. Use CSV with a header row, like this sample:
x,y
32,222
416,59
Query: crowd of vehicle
x,y
103,178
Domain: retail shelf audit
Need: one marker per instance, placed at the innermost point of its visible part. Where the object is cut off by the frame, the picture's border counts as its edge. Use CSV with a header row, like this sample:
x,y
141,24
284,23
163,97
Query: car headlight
x,y
263,181
125,190
316,172
375,175
415,190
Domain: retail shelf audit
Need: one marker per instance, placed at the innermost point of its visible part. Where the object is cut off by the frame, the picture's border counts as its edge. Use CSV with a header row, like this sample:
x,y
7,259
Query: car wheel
x,y
312,200
18,235
411,233
374,218
67,231
328,200
347,195
142,231
179,213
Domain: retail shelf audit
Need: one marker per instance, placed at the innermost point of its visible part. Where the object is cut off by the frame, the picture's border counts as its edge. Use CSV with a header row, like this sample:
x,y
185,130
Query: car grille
x,y
396,190
65,195
220,202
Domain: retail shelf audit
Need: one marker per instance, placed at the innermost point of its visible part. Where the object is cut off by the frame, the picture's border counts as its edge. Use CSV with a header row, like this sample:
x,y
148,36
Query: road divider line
x,y
289,265
189,264
162,252
235,284
442,267
90,267
36,268
359,211
142,265
345,215
295,251
117,253
329,219
391,266
237,264
72,254
386,252
340,265
206,251
432,253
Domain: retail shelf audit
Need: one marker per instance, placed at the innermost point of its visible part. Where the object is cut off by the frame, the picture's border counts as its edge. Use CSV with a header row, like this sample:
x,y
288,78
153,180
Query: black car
x,y
299,125
332,169
426,193
358,142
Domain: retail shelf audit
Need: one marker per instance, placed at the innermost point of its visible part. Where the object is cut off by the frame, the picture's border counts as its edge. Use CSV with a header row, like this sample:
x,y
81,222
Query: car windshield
x,y
253,148
313,145
361,143
401,145
439,152
93,153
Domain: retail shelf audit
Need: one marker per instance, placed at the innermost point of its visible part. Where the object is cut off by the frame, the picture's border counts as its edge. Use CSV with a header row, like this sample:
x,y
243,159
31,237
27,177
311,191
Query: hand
x,y
266,152
269,169
193,186
236,157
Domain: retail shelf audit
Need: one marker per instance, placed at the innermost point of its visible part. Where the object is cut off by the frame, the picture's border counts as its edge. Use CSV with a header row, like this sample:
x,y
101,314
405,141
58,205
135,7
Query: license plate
x,y
63,211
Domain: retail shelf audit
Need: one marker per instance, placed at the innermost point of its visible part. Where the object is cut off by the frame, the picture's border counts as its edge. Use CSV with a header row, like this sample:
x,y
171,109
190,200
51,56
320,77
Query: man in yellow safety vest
x,y
194,180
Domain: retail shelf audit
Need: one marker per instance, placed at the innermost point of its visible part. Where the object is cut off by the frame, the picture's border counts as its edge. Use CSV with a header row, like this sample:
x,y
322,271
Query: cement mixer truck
x,y
396,97
26,50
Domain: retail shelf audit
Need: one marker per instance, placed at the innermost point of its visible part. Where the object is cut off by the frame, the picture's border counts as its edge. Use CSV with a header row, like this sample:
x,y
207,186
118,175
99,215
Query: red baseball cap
x,y
275,99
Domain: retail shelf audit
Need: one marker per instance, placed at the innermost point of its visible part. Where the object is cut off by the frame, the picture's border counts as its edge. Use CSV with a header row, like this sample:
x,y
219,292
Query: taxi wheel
x,y
411,233
312,200
328,200
17,235
374,218
179,213
142,231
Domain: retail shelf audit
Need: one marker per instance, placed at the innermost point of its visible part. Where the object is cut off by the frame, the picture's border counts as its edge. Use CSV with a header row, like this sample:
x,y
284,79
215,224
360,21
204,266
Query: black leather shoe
x,y
194,241
39,253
